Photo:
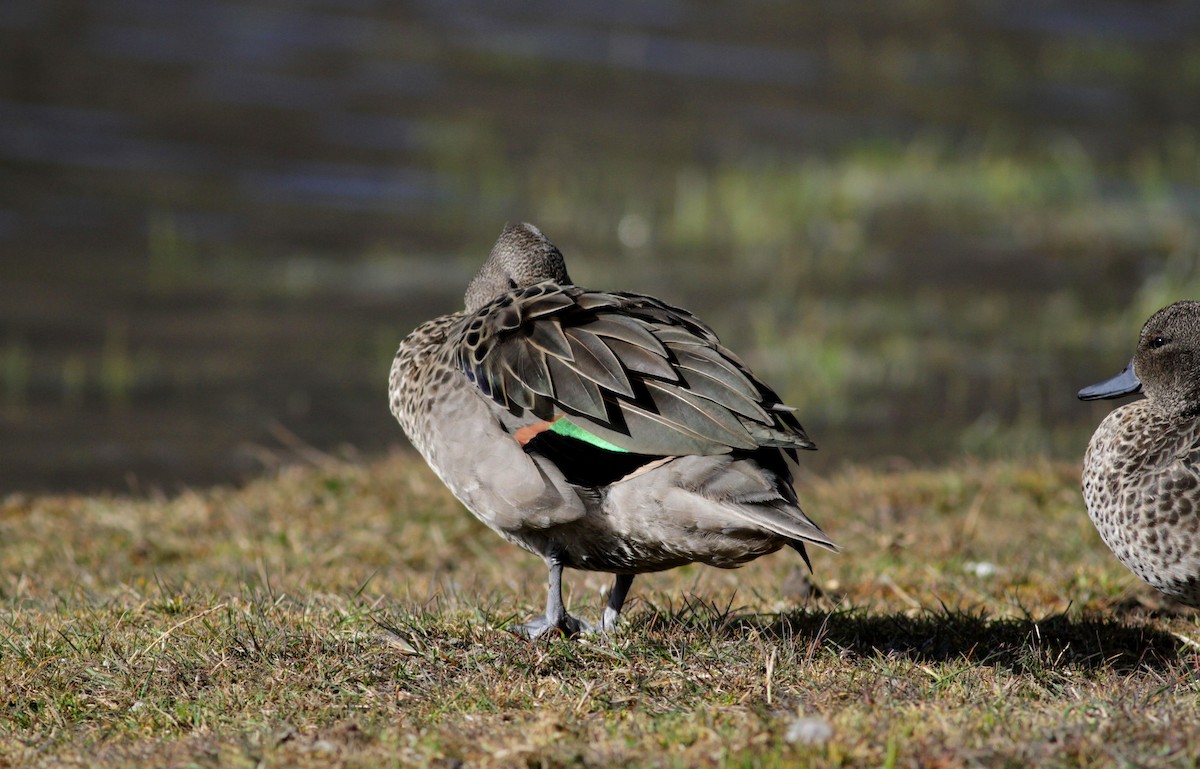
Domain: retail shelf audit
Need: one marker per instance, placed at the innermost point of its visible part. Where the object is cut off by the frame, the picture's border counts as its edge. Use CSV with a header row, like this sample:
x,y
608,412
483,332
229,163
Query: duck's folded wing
x,y
625,370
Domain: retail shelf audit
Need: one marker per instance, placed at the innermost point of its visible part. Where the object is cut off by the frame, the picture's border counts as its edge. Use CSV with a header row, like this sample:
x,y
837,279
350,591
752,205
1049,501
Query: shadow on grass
x,y
946,635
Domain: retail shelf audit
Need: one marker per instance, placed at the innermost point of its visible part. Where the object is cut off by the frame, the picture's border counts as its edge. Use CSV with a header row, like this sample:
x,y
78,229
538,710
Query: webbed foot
x,y
556,617
568,626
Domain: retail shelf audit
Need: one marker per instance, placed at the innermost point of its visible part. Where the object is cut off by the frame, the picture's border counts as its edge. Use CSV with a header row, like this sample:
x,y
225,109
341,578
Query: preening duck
x,y
604,431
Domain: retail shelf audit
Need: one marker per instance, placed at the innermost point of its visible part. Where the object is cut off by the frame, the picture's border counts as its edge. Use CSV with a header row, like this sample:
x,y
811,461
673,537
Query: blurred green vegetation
x,y
15,365
932,297
927,224
925,299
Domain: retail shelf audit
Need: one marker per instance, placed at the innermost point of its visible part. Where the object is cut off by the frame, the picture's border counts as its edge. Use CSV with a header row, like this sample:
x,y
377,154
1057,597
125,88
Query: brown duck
x,y
604,431
1141,474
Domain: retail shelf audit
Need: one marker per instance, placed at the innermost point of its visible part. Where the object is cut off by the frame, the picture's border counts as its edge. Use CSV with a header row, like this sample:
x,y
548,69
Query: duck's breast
x,y
1141,485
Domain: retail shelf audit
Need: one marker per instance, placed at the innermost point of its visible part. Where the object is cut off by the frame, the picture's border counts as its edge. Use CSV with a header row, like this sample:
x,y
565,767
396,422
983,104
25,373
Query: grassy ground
x,y
351,616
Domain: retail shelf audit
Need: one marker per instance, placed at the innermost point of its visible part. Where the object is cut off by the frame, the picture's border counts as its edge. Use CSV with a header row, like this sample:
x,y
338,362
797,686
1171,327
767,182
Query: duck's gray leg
x,y
556,617
616,599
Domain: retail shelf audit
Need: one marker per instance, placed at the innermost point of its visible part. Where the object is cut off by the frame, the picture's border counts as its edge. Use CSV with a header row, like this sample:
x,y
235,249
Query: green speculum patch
x,y
569,429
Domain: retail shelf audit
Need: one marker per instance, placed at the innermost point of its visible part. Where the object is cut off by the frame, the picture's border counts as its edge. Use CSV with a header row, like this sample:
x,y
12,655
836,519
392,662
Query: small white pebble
x,y
809,731
981,568
633,231
323,746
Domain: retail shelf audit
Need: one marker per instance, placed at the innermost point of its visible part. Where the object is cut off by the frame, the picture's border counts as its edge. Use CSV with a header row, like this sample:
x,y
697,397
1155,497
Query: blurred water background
x,y
926,223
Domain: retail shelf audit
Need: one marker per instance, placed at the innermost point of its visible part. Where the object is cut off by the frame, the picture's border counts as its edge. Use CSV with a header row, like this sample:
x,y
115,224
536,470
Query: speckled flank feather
x,y
602,431
1141,479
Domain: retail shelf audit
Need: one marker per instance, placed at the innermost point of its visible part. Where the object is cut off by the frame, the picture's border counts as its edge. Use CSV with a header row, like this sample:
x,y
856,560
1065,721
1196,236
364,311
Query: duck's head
x,y
521,257
1166,364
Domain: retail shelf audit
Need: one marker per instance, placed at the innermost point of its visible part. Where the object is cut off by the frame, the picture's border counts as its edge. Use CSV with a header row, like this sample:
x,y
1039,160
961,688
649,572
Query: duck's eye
x,y
1157,342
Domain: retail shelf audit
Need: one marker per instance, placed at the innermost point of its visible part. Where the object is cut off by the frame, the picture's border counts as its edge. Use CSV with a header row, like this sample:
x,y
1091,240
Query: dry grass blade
x,y
164,634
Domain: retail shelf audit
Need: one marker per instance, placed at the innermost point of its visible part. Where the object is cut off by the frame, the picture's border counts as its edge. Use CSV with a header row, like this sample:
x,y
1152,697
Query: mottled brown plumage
x,y
1141,477
601,430
629,369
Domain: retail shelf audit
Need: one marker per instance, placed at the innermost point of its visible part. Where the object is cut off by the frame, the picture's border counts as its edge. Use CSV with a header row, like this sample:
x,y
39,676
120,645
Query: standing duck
x,y
603,431
1141,474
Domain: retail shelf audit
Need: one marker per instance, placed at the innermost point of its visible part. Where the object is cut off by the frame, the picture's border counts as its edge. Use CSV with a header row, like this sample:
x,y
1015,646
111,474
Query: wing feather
x,y
578,394
527,365
718,391
710,362
686,411
592,358
550,339
631,330
644,376
636,358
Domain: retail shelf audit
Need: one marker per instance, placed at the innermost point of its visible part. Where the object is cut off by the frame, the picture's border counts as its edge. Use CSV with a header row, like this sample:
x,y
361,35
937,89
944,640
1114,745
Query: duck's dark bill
x,y
1125,383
